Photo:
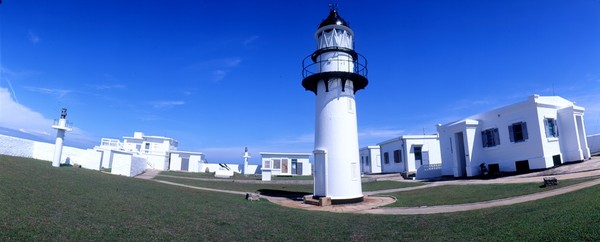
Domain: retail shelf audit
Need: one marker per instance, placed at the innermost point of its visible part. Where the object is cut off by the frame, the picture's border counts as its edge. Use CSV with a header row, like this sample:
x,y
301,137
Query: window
x,y
386,158
518,132
276,164
551,127
362,160
267,164
367,160
490,137
397,156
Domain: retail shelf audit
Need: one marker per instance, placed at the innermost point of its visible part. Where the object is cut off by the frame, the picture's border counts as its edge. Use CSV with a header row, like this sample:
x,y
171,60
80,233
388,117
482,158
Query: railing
x,y
67,123
153,152
358,65
111,143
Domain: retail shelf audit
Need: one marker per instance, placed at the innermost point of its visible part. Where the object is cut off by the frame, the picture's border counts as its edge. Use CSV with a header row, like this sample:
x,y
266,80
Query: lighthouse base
x,y
327,201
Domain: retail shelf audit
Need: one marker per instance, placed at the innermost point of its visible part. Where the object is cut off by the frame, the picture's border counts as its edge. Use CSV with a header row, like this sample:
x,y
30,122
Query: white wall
x,y
176,159
45,151
594,143
89,159
127,164
157,162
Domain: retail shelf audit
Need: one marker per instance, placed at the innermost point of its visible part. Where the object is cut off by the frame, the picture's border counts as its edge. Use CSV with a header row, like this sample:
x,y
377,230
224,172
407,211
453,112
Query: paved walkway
x,y
372,204
148,174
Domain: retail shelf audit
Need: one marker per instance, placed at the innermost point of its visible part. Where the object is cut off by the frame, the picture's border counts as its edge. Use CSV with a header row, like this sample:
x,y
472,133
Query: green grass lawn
x,y
39,202
459,194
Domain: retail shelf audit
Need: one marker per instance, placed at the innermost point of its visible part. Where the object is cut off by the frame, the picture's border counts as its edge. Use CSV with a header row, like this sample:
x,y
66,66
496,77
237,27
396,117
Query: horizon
x,y
219,77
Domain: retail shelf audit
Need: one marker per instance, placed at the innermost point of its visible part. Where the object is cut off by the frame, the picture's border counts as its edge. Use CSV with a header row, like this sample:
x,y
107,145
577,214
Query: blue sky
x,y
219,76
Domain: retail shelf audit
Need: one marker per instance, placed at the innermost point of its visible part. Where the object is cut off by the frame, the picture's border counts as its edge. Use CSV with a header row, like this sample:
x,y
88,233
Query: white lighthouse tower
x,y
61,126
335,72
246,156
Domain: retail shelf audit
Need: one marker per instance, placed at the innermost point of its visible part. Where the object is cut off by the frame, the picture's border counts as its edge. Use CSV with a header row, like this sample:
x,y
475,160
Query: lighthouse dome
x,y
334,19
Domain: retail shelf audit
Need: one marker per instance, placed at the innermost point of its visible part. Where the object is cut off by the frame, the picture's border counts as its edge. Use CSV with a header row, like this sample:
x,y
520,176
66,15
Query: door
x,y
418,156
284,167
299,170
320,184
185,164
295,166
460,154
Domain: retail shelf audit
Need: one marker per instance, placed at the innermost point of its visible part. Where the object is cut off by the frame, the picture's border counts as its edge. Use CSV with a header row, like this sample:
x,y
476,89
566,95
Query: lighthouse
x,y
246,156
61,126
334,73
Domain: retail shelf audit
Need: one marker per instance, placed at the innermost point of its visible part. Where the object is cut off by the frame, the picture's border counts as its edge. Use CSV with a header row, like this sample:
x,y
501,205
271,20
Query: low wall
x,y
14,146
594,143
429,171
127,164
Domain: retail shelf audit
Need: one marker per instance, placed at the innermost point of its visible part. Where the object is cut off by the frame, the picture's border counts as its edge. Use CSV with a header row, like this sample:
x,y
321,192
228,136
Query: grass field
x,y
39,202
459,194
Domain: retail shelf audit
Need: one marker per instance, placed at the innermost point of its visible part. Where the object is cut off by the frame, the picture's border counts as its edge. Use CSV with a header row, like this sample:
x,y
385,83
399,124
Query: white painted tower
x,y
246,157
335,72
61,126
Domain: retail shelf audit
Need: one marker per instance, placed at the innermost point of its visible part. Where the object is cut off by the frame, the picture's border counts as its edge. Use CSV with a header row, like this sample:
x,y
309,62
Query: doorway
x,y
460,154
185,164
295,166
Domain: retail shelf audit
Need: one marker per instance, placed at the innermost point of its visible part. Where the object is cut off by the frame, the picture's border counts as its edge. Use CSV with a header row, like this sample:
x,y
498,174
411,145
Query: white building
x,y
538,133
370,159
159,153
407,153
154,148
286,163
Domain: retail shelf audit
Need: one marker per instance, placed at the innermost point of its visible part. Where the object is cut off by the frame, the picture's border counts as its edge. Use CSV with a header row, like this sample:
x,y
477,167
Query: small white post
x,y
61,126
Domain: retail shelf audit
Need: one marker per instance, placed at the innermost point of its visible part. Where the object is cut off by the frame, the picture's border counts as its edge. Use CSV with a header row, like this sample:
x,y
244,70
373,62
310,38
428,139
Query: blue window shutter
x,y
496,137
547,127
511,134
524,127
483,139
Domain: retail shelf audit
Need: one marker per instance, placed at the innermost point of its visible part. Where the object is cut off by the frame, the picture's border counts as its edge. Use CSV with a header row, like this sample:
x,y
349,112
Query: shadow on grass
x,y
292,195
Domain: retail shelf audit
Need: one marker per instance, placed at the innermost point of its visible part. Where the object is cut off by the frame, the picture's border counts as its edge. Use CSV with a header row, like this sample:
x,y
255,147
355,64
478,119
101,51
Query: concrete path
x,y
201,188
148,174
